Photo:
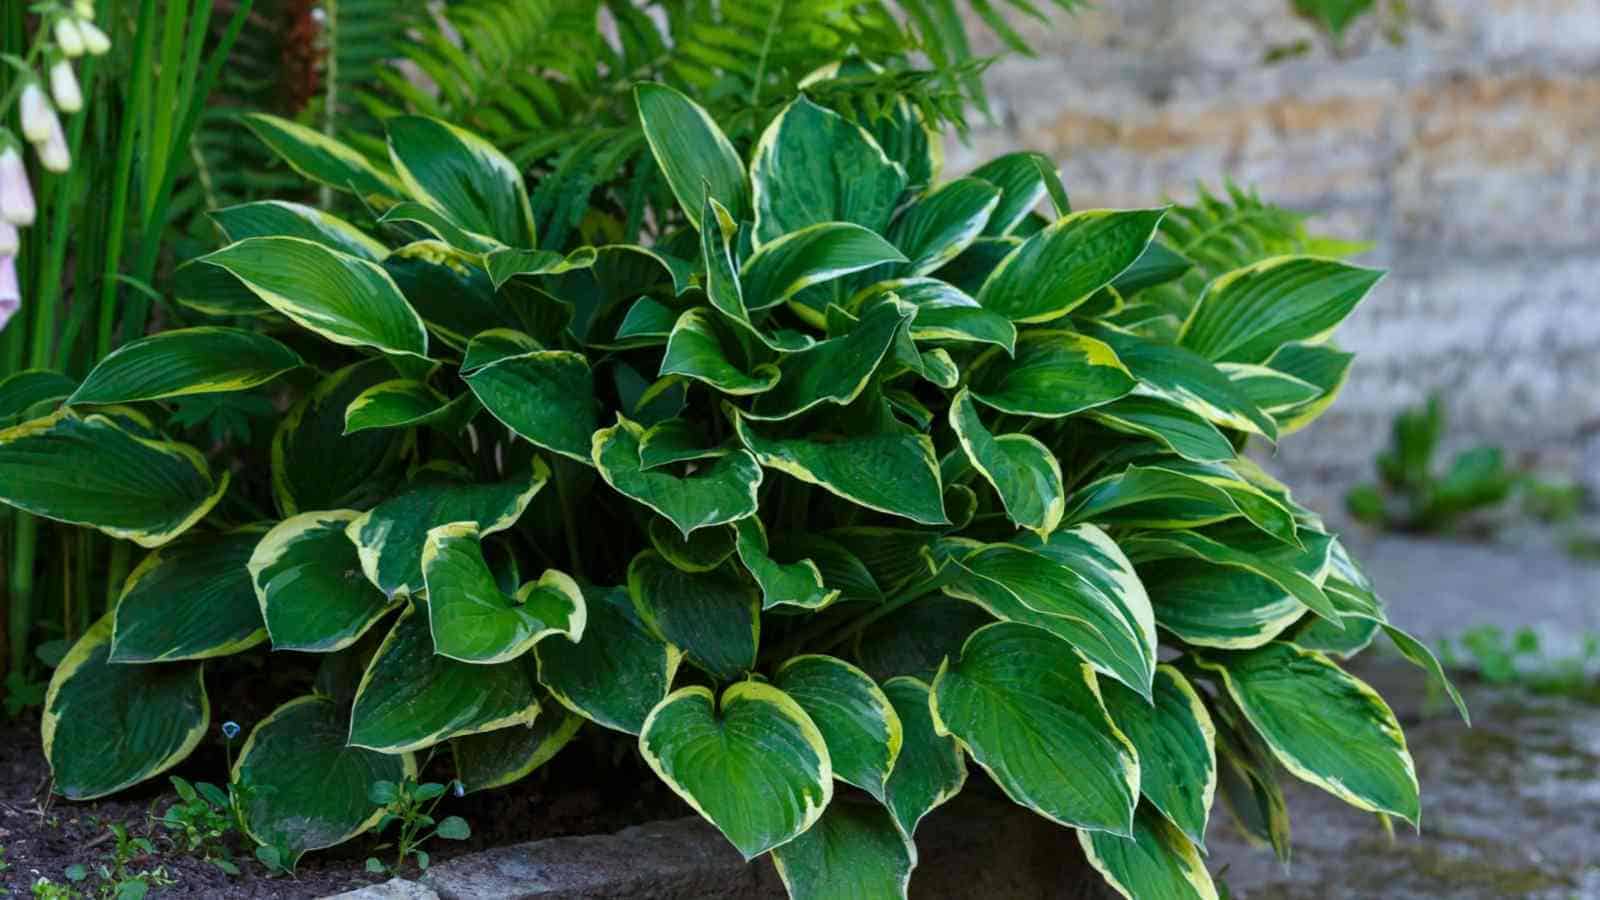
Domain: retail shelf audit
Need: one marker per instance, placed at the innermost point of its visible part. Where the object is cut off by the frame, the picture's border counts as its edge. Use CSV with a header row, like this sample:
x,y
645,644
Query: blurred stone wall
x,y
1470,153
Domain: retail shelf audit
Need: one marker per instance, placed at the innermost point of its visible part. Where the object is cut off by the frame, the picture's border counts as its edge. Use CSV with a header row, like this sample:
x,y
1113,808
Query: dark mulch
x,y
596,785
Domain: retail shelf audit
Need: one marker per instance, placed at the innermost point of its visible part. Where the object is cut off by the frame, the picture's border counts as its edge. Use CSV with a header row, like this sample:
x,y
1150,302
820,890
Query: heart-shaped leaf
x,y
472,619
860,727
931,768
545,396
854,850
191,599
300,571
498,758
812,165
713,616
722,491
782,584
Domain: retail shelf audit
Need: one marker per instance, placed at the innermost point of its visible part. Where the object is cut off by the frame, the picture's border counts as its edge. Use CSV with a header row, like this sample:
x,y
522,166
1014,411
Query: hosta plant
x,y
849,478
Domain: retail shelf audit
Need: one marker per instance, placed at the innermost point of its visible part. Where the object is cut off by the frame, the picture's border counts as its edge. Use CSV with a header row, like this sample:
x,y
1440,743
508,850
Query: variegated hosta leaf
x,y
473,620
1022,470
545,396
702,348
703,550
325,160
617,672
1157,861
407,403
787,265
266,218
1324,725
191,599
812,165
463,178
757,743
971,269
721,491
836,370
1053,374
1020,178
713,616
109,471
345,299
1174,427
498,758
692,152
1247,780
1227,607
1028,710
944,313
31,393
1158,264
1270,390
1063,265
1187,380
315,465
797,583
854,850
1171,493
1290,576
301,571
293,812
454,296
891,472
390,536
1176,743
204,360
1247,314
108,726
857,722
931,768
942,223
411,697
1321,365
914,639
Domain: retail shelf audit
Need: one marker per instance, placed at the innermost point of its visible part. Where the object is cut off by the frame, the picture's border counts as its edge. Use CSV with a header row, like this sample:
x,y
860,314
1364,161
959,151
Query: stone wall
x,y
1470,153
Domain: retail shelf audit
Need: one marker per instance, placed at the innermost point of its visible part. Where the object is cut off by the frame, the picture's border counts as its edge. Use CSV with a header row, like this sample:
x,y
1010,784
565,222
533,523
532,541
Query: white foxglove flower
x,y
94,40
10,293
37,114
16,195
69,38
64,87
53,152
10,240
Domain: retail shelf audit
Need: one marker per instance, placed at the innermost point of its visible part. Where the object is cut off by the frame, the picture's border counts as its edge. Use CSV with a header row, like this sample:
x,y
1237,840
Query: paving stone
x,y
393,889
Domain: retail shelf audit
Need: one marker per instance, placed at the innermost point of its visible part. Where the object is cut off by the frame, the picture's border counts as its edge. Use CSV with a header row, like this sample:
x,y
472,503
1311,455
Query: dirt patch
x,y
596,785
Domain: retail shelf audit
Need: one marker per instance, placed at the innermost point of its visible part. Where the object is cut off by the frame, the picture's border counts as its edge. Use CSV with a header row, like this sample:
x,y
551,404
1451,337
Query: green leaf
x,y
1174,427
1053,374
315,465
1081,590
407,403
454,297
109,726
1063,265
1020,178
390,536
931,767
1269,389
454,828
891,472
812,165
1158,264
462,177
720,492
22,392
713,616
1028,711
1172,493
1187,380
344,298
854,850
833,371
1325,726
700,347
1157,861
545,396
617,672
797,583
717,759
1301,585
325,160
857,722
268,218
703,550
187,361
411,697
914,639
944,222
497,758
944,313
816,254
294,813
1225,607
300,571
192,599
472,620
1175,741
506,263
1022,470
692,152
1248,314
1317,364
91,470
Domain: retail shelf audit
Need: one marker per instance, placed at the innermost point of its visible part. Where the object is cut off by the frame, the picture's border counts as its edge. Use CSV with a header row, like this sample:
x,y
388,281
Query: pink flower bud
x,y
68,38
10,241
37,114
94,40
64,87
53,152
16,195
10,294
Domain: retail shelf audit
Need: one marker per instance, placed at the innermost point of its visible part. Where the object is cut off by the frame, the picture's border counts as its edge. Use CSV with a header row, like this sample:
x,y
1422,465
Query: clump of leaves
x,y
408,809
201,821
845,477
115,878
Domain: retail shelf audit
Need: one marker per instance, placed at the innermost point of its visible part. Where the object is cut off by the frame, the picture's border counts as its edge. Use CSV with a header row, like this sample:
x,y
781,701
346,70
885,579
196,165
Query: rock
x,y
393,889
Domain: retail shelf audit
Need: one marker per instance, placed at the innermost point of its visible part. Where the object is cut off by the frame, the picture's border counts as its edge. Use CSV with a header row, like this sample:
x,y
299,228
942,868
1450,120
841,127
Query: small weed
x,y
1521,659
200,822
410,806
